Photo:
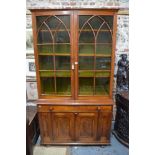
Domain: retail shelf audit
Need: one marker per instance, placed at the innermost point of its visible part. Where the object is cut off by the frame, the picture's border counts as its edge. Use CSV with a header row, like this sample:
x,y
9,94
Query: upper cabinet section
x,y
74,52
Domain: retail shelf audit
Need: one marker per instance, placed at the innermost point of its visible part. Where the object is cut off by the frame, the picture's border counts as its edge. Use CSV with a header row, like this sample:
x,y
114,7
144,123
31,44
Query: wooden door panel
x,y
105,124
45,127
86,127
63,126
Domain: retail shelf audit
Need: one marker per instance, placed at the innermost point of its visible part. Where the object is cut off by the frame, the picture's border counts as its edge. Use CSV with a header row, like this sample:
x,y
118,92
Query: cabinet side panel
x,y
45,127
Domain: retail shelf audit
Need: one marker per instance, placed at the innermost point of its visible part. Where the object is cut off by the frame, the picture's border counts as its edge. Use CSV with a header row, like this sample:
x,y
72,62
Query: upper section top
x,y
66,4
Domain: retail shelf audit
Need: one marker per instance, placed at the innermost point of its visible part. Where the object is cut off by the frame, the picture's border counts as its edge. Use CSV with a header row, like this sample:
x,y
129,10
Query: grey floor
x,y
116,148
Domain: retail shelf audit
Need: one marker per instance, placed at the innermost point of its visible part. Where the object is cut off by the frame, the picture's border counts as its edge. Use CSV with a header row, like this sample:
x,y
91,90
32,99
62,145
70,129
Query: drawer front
x,y
49,108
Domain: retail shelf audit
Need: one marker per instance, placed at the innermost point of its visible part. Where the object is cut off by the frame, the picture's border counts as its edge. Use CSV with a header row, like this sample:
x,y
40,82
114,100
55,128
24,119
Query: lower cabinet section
x,y
83,125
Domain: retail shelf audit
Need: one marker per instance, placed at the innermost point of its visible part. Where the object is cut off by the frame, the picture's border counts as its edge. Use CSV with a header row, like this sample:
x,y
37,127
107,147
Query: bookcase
x,y
74,57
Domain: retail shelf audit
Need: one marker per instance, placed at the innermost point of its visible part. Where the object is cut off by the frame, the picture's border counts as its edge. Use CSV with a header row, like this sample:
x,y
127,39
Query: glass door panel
x,y
54,54
85,86
63,85
94,55
47,85
46,63
102,86
86,63
103,63
104,49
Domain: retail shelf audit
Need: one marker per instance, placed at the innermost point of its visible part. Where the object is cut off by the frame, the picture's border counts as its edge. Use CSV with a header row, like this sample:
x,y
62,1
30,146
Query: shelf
x,y
53,44
56,48
55,54
94,73
97,55
95,43
55,30
90,30
52,73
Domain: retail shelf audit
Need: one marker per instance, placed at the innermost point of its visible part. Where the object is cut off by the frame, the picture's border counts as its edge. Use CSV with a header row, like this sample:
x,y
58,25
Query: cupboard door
x,y
45,127
86,127
54,50
94,54
63,127
104,130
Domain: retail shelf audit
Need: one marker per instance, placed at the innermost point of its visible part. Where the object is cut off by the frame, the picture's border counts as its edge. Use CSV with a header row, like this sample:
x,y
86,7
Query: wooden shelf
x,y
89,30
53,44
55,54
55,30
95,43
97,55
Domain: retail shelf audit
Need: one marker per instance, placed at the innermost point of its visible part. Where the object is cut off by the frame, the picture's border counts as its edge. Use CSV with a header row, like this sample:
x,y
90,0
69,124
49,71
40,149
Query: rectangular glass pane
x,y
86,49
63,73
85,86
86,63
44,37
104,37
46,73
103,63
46,62
62,62
63,86
47,85
45,49
62,37
104,49
62,48
57,73
86,73
102,74
86,37
102,86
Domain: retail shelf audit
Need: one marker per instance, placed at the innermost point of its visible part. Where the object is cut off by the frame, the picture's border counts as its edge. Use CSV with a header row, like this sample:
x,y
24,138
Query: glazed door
x,y
54,54
94,54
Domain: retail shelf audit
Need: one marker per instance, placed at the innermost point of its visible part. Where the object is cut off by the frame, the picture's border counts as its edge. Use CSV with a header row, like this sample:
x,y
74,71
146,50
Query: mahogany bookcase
x,y
74,57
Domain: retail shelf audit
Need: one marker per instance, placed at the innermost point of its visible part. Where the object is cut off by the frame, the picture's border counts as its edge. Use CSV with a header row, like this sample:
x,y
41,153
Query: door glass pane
x,y
104,37
62,37
62,49
63,73
86,73
63,86
86,37
102,86
43,49
47,85
86,63
62,62
54,54
44,37
103,63
85,86
104,49
86,49
46,63
95,48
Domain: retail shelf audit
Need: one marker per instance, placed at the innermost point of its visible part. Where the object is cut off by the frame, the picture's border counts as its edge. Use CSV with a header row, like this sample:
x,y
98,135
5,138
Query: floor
x,y
116,148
